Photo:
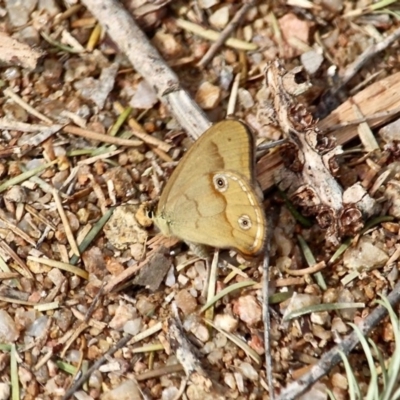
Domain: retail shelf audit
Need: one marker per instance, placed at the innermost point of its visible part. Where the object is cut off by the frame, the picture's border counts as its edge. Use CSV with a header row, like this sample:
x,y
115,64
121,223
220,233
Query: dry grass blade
x,y
39,217
214,36
12,300
60,265
364,132
18,231
15,392
167,370
23,269
77,384
85,133
65,222
97,227
306,271
47,306
77,331
139,132
212,282
224,292
8,92
233,24
321,307
240,343
25,176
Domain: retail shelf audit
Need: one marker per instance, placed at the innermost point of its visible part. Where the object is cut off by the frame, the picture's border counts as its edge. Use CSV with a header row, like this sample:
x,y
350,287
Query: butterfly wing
x,y
227,145
194,208
228,216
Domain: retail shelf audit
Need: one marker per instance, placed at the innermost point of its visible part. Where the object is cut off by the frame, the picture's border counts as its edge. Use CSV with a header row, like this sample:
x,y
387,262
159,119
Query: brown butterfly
x,y
210,198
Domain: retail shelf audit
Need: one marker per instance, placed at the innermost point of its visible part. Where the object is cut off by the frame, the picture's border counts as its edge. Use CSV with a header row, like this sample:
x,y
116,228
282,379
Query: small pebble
x,y
226,322
365,256
186,302
208,96
133,326
123,314
249,371
220,18
248,309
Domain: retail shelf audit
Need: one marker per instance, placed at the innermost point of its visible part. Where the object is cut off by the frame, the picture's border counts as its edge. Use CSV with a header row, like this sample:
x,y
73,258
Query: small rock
x,y
167,44
248,371
16,194
94,262
128,390
339,326
201,332
220,18
95,379
339,380
144,97
226,322
392,194
390,132
56,276
319,318
357,194
321,333
123,229
53,388
239,381
63,318
257,344
215,357
292,27
330,295
133,326
300,301
245,98
186,302
59,178
229,379
346,297
19,11
365,256
123,314
220,340
145,306
312,60
97,90
248,309
170,280
170,393
205,4
317,392
38,327
50,6
208,96
8,330
5,391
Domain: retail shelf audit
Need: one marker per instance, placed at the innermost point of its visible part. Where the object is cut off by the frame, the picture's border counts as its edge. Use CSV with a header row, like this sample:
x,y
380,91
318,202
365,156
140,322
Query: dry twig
x,y
233,24
332,357
132,41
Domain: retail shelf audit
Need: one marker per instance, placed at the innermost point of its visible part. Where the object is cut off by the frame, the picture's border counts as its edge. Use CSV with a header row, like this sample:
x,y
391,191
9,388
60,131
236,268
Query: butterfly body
x,y
210,198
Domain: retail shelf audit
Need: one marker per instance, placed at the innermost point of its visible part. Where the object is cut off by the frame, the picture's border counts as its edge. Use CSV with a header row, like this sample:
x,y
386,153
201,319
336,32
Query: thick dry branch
x,y
147,61
311,160
380,97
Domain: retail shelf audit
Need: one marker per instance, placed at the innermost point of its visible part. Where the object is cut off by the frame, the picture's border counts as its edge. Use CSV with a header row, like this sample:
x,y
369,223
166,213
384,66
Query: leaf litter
x,y
75,300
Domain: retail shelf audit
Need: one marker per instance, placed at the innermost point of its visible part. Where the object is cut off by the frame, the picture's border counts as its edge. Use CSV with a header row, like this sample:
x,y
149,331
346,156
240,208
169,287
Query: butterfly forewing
x,y
210,197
